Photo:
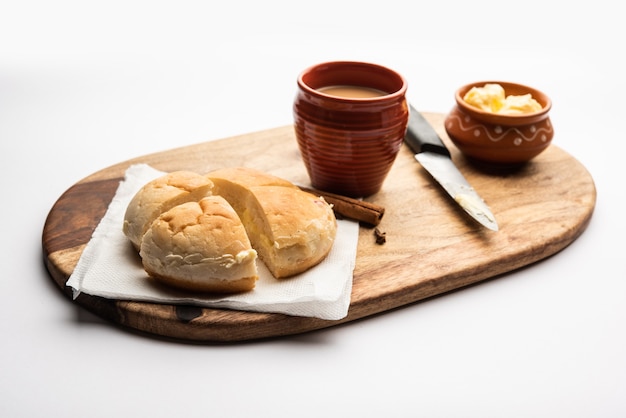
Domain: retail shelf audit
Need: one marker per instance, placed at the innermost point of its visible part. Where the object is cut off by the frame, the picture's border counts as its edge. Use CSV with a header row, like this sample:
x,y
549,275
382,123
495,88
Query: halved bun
x,y
200,246
160,195
298,229
291,230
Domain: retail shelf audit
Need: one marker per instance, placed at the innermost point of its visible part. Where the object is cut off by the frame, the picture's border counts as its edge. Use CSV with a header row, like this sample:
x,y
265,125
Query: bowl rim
x,y
495,118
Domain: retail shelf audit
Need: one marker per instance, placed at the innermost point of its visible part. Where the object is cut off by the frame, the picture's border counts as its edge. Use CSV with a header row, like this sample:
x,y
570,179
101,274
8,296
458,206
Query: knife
x,y
432,154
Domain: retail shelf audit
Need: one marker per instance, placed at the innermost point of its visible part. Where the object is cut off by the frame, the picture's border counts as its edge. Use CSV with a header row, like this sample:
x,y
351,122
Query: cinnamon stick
x,y
351,208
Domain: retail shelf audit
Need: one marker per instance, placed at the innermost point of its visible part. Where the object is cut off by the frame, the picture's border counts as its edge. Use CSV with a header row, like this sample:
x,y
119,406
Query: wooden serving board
x,y
432,247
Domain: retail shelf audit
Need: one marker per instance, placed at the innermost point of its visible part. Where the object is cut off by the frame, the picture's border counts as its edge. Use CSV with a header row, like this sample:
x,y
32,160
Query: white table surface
x,y
86,85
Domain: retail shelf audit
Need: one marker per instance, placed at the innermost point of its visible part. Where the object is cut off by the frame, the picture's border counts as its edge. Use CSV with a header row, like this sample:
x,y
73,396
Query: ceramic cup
x,y
349,119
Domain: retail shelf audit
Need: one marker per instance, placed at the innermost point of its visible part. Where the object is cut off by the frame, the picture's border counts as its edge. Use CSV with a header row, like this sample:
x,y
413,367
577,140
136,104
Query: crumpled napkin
x,y
109,267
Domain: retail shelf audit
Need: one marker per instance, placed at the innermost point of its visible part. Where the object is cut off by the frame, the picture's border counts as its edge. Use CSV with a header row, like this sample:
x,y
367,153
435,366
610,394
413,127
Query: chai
x,y
352,92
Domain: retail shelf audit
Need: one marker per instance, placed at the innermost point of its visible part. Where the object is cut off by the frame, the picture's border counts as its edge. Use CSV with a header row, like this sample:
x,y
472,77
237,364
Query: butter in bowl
x,y
500,122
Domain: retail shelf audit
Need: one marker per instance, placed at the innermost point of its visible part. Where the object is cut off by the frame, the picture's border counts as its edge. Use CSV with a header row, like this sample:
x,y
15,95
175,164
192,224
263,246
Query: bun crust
x,y
200,246
249,177
159,196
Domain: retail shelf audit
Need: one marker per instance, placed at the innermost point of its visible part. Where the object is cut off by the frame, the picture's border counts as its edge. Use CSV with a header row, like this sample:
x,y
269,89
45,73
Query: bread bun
x,y
200,246
291,230
160,195
203,233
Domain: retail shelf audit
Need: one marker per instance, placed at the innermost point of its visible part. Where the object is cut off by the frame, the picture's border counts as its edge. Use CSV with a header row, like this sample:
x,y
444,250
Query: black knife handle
x,y
421,136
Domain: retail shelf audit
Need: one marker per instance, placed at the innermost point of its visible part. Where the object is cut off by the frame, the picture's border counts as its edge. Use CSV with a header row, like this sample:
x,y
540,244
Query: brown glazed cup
x,y
348,144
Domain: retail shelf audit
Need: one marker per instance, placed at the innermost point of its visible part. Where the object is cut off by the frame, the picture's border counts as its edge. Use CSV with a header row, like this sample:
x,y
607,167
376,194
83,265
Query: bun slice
x,y
291,230
200,246
160,195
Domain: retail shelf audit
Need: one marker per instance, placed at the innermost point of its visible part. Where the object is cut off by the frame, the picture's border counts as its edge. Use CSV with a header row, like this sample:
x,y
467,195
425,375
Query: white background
x,y
84,85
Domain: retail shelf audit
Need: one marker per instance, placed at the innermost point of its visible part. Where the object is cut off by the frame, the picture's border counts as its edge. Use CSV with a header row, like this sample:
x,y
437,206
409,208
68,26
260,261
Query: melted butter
x,y
472,204
226,260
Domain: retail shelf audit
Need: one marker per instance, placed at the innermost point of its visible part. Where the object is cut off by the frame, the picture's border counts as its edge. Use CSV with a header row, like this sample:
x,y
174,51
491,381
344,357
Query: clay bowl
x,y
497,138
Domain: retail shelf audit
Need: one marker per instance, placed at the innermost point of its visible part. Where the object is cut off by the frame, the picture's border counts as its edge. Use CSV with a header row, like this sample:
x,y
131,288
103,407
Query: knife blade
x,y
432,154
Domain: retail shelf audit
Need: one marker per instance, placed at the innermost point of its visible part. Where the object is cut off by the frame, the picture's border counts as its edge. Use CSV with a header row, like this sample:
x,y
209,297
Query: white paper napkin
x,y
109,267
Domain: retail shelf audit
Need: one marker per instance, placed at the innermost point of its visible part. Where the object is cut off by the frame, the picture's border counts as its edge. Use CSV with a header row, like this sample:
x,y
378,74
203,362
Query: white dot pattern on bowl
x,y
498,133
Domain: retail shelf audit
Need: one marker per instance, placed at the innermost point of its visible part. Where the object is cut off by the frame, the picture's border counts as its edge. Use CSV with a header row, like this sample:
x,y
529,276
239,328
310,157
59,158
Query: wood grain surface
x,y
431,246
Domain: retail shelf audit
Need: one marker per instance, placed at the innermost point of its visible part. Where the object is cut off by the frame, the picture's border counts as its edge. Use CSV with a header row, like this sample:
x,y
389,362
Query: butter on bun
x,y
160,195
200,246
291,230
